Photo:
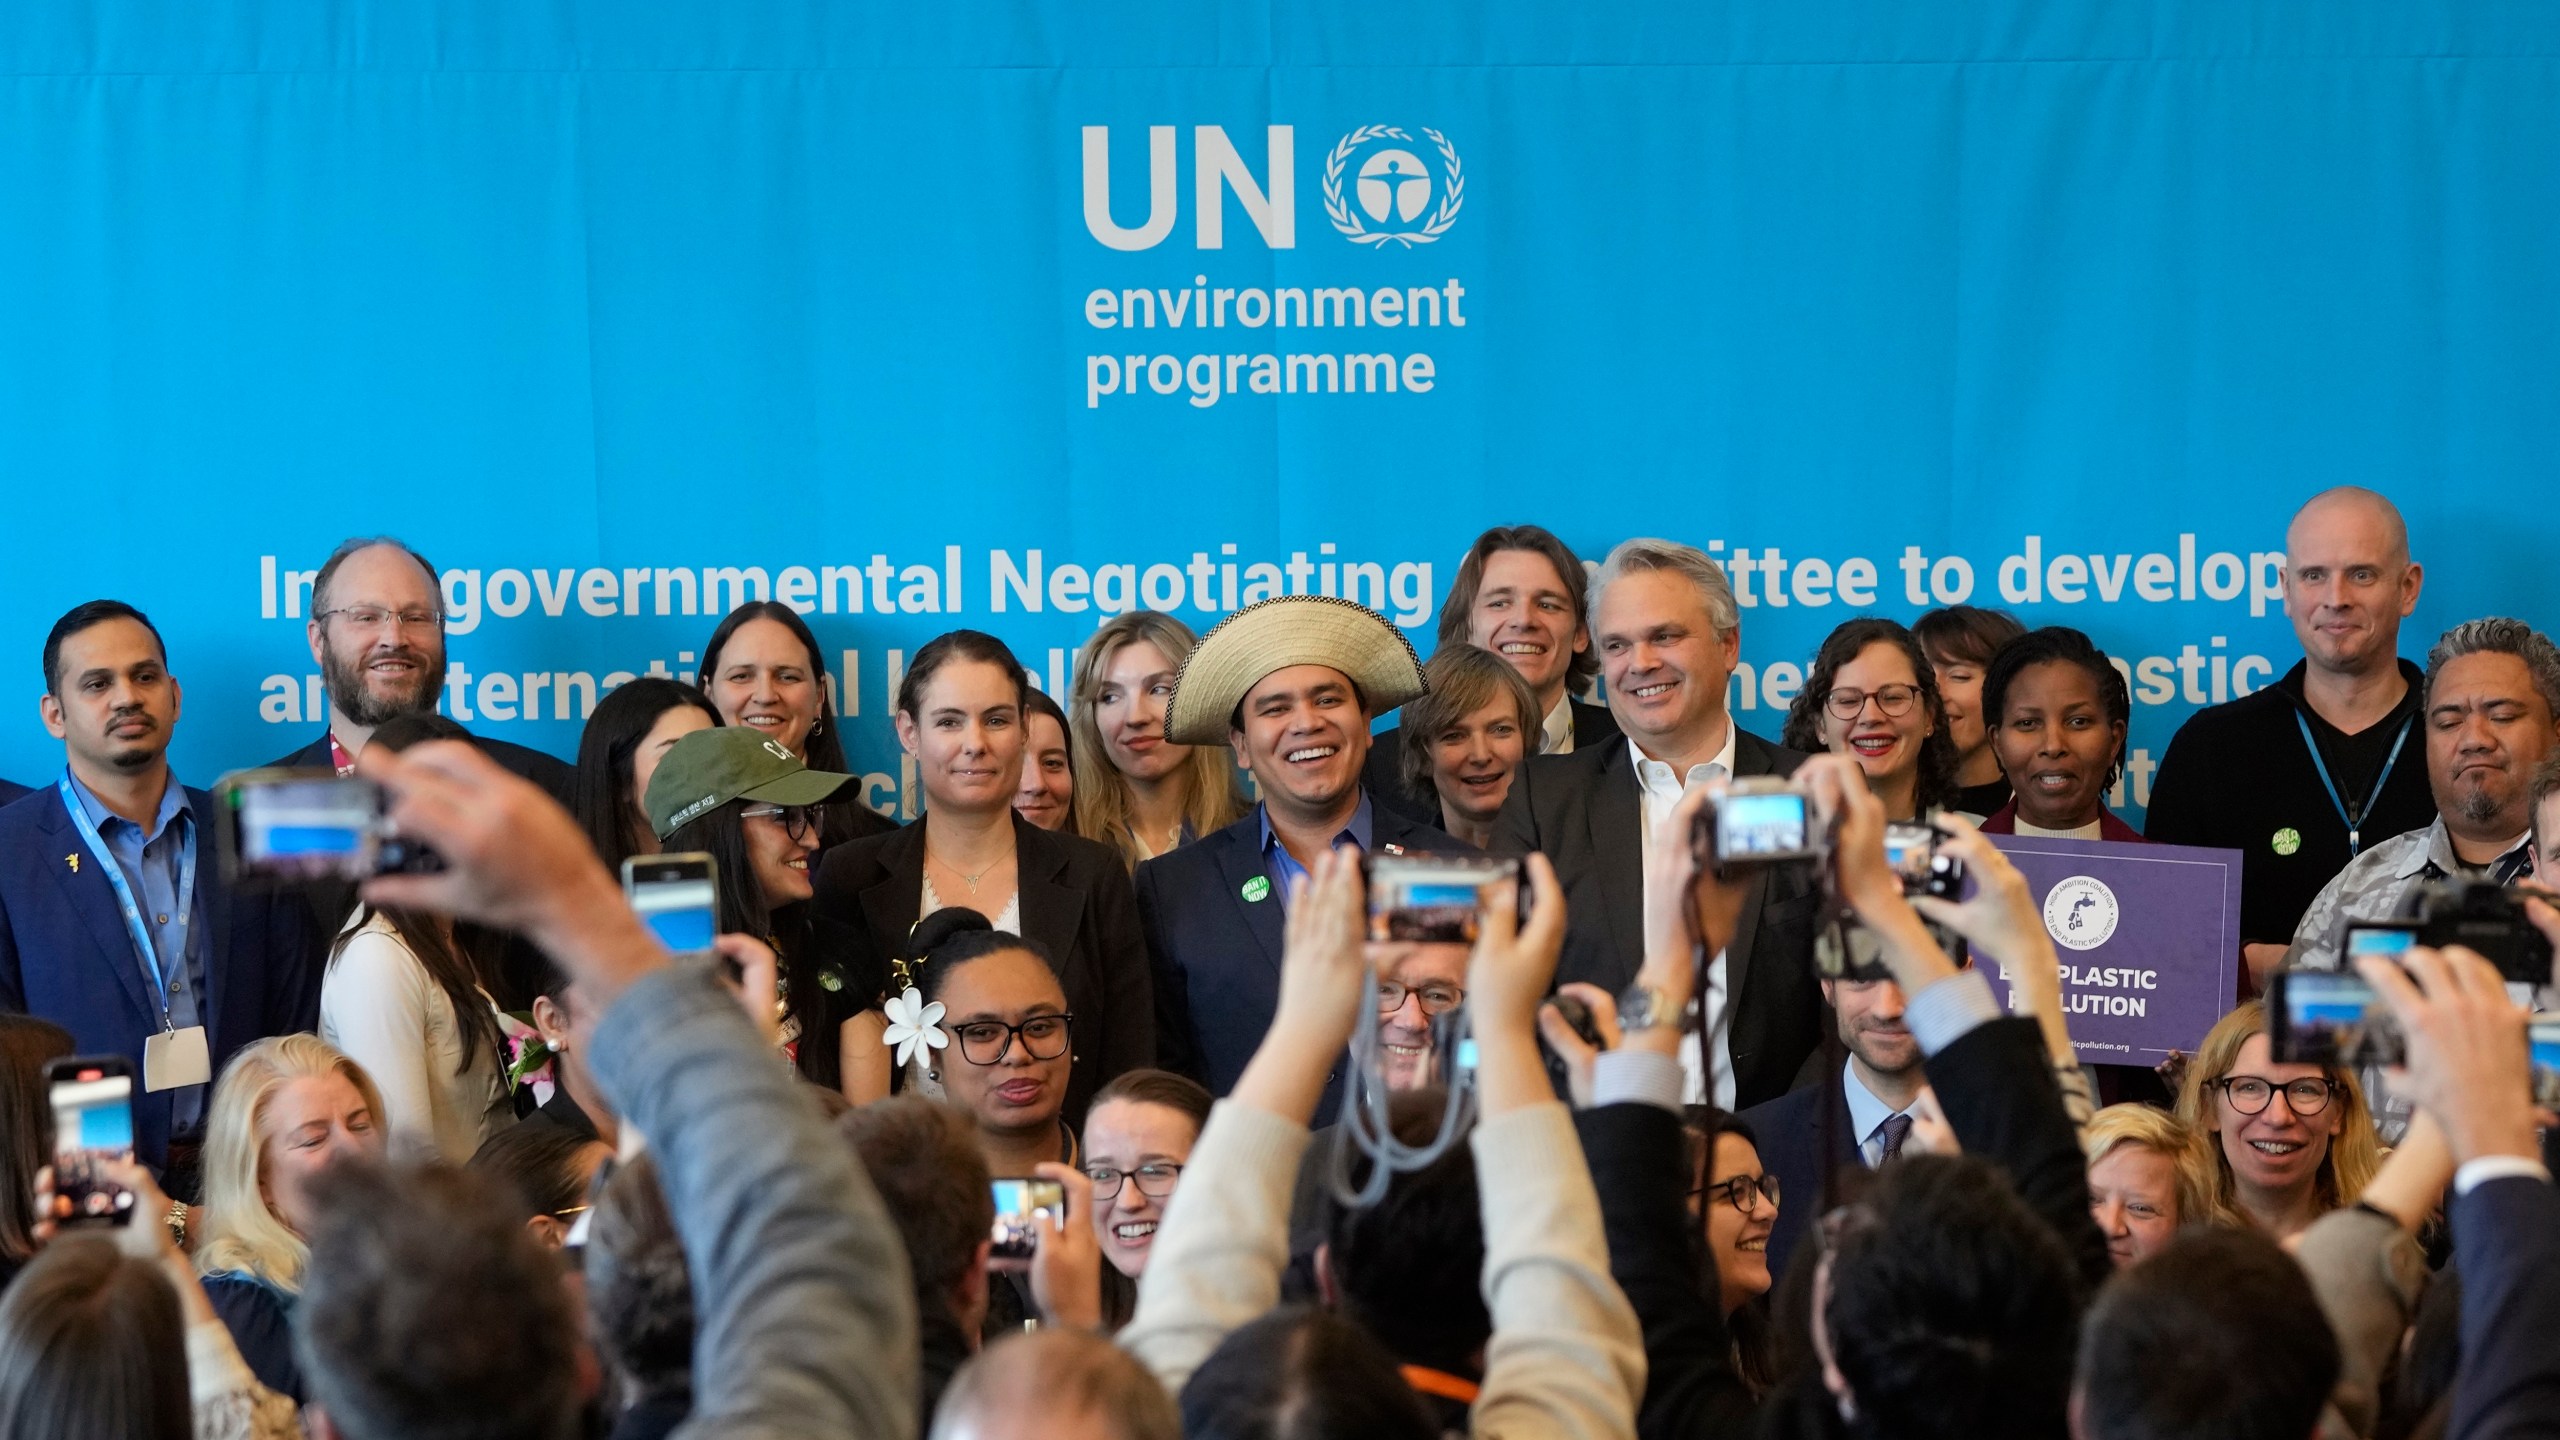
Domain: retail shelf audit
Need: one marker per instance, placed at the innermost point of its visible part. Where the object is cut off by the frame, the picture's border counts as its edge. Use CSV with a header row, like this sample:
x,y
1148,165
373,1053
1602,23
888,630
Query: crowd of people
x,y
463,1150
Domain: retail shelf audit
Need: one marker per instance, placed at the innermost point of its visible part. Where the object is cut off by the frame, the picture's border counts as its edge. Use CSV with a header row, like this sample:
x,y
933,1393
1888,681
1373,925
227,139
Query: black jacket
x,y
1997,1089
1808,1141
1584,812
1217,952
1076,902
2507,1245
2237,776
1384,772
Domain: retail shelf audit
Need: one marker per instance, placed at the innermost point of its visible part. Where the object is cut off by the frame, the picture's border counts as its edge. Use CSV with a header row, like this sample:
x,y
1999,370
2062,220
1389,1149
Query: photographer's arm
x,y
2366,1265
1220,1249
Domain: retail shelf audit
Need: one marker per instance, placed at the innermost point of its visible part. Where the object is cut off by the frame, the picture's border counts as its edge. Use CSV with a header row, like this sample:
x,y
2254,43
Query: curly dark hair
x,y
1937,776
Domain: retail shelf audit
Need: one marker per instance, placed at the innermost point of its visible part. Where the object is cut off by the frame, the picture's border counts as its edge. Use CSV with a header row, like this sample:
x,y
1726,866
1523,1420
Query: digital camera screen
x,y
2335,1018
309,827
2544,1037
1750,825
2384,941
1430,899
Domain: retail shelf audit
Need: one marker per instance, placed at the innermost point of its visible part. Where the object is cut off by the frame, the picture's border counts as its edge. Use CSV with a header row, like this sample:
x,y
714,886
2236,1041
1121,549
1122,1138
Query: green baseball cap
x,y
709,768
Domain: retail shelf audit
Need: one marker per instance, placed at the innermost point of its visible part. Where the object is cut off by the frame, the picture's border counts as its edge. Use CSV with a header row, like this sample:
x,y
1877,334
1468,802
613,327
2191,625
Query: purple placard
x,y
2149,937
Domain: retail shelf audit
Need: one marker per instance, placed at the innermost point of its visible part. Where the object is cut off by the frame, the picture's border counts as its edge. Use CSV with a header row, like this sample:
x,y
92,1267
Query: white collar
x,y
2092,831
1555,733
1655,777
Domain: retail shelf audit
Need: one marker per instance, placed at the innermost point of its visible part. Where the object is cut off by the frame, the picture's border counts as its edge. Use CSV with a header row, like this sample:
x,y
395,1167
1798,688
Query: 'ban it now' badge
x,y
2286,841
1257,888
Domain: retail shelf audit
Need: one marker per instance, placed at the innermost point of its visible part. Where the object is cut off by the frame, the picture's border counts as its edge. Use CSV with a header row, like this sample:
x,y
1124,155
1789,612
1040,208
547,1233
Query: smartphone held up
x,y
92,1099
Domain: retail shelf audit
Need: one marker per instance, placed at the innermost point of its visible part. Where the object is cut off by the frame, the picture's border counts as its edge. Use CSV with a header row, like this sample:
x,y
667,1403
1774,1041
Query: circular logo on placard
x,y
1393,193
2287,841
2080,913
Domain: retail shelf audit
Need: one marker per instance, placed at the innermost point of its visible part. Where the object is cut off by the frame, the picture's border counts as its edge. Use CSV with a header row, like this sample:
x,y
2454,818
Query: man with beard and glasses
x,y
114,919
377,631
2490,713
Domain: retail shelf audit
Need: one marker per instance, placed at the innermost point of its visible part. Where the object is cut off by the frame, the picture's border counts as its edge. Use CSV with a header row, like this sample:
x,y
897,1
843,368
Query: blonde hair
x,y
2161,1133
1209,800
2355,1152
240,1231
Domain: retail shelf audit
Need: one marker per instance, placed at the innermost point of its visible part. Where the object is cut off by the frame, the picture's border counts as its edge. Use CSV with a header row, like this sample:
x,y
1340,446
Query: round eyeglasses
x,y
1845,703
1737,1192
1155,1181
2249,1094
1438,997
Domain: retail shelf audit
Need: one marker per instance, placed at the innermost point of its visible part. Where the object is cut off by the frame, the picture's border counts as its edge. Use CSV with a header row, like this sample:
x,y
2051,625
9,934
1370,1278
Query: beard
x,y
2478,803
346,677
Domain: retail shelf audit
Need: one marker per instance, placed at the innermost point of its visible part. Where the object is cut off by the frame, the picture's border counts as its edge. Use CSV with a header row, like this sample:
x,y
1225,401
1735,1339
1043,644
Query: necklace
x,y
965,877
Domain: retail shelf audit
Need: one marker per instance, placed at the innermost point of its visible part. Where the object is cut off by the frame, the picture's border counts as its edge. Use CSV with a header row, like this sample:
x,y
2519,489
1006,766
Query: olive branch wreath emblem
x,y
1347,220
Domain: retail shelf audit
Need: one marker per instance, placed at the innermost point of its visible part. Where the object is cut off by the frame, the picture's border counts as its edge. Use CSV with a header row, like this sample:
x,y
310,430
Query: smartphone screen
x,y
301,825
2543,1036
1019,1203
2331,1017
676,896
92,1122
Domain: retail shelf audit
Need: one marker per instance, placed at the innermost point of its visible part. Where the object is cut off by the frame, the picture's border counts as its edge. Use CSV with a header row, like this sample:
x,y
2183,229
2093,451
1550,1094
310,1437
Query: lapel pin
x,y
73,861
1257,888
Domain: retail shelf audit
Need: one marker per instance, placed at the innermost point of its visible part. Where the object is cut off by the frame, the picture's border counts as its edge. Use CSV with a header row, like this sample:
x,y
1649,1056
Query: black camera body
x,y
1912,851
2485,917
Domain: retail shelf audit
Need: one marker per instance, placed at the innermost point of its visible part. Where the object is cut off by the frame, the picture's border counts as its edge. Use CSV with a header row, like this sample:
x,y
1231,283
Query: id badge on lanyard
x,y
171,1058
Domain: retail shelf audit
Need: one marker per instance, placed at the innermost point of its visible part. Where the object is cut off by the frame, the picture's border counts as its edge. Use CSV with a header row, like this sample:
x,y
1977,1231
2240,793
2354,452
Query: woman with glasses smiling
x,y
1734,1201
1137,1138
2287,1143
759,813
1873,696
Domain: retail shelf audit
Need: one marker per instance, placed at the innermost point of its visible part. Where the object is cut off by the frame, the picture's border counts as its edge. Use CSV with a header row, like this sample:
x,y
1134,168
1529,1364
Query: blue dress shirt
x,y
1283,867
151,861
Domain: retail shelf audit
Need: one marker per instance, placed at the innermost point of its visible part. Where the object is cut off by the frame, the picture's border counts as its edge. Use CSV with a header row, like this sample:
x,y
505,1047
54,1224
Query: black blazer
x,y
66,956
1997,1089
1075,901
1217,953
1793,1130
1384,774
1585,813
2507,1246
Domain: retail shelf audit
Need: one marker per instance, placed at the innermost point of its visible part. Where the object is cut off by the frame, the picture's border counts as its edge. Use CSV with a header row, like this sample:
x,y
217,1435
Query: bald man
x,y
2308,773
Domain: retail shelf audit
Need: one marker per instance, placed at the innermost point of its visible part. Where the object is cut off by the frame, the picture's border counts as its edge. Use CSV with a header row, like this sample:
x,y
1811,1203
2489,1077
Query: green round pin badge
x,y
1257,888
2287,841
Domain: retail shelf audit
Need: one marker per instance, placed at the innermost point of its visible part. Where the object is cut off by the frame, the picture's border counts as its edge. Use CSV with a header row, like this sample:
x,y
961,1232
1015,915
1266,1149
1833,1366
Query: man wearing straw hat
x,y
1292,684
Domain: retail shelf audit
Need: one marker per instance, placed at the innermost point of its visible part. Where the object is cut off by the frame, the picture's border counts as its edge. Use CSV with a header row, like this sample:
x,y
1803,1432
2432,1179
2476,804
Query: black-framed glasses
x,y
1154,1180
2249,1094
1438,997
987,1042
1737,1191
1845,703
800,822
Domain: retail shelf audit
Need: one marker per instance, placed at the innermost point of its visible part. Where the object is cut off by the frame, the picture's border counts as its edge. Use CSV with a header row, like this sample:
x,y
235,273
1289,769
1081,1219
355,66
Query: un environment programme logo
x,y
2080,913
1203,326
1393,187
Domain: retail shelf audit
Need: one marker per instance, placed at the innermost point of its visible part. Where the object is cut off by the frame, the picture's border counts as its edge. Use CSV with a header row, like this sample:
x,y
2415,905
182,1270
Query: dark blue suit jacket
x,y
1217,954
66,956
1792,1137
2507,1245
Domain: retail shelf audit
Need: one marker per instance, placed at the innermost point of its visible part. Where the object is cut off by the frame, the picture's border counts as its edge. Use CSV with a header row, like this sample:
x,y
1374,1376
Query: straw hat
x,y
1276,634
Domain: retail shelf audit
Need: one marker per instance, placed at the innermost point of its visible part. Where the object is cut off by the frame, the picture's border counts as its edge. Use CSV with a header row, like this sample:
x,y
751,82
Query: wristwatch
x,y
176,1220
1641,1007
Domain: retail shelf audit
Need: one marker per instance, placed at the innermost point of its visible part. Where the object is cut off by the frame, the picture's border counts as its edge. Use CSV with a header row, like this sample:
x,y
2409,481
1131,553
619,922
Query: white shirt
x,y
1659,789
1867,1114
1555,733
1009,921
380,1006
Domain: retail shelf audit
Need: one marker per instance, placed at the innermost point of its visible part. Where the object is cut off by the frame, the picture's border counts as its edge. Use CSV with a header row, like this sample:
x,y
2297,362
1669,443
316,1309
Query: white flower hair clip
x,y
913,1024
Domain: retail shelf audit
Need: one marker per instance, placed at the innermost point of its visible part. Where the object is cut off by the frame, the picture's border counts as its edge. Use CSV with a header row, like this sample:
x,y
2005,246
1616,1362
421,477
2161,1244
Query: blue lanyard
x,y
2354,819
135,928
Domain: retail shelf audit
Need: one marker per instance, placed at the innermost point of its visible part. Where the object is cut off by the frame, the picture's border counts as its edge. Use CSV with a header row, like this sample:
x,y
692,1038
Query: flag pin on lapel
x,y
73,861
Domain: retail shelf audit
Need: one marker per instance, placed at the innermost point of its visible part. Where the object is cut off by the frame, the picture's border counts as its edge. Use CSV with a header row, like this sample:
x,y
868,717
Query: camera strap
x,y
136,928
2354,818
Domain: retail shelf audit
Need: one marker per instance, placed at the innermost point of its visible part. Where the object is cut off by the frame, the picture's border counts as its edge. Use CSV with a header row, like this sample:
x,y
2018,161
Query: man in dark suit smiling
x,y
1291,684
1664,621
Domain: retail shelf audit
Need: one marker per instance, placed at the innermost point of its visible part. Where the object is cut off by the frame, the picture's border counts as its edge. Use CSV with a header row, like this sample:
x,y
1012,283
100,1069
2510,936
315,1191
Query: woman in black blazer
x,y
960,716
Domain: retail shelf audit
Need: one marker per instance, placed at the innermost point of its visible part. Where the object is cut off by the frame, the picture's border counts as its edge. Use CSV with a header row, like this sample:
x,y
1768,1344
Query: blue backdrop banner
x,y
1019,315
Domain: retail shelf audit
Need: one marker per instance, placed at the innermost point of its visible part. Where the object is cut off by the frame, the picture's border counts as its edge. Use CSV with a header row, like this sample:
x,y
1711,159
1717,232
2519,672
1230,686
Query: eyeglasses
x,y
2249,1094
1737,1191
1153,1181
798,821
374,617
1845,703
987,1042
1438,997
